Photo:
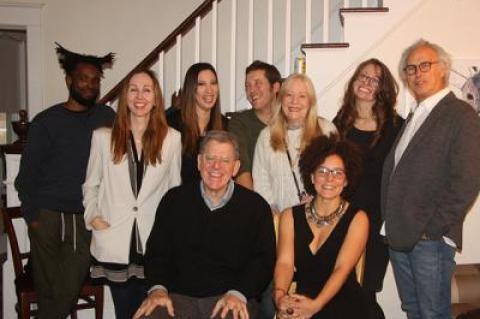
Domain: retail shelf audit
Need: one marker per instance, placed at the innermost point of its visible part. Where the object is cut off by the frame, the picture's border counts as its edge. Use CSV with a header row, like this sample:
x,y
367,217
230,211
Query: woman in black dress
x,y
324,239
198,112
368,119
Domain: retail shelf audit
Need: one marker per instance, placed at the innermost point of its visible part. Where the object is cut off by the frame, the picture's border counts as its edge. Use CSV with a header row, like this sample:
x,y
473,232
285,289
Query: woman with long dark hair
x,y
368,119
131,167
199,111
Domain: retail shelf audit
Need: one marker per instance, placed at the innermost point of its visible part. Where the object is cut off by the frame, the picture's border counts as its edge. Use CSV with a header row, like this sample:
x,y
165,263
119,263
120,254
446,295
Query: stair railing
x,y
228,64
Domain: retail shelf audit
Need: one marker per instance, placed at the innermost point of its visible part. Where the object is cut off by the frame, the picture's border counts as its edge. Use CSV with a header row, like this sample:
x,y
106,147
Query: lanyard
x,y
299,193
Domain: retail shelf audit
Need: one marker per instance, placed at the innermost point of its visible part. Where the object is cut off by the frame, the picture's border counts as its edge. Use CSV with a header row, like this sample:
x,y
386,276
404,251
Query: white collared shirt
x,y
420,114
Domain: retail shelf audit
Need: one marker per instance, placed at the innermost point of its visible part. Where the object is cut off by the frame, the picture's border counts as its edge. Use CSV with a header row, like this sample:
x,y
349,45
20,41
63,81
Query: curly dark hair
x,y
69,60
384,107
319,149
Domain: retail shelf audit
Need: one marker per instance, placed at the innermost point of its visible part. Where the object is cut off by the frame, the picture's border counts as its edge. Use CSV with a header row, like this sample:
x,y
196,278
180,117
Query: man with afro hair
x,y
49,184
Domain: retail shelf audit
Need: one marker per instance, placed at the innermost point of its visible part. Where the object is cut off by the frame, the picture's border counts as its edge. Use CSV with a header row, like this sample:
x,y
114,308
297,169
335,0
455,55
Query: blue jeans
x,y
423,277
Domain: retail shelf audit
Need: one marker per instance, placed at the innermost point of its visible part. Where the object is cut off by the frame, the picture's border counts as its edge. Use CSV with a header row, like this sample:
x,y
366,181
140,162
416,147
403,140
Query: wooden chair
x,y
465,291
91,296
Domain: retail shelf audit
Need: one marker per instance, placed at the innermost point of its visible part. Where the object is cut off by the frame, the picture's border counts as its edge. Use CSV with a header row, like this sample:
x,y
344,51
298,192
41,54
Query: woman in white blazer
x,y
131,167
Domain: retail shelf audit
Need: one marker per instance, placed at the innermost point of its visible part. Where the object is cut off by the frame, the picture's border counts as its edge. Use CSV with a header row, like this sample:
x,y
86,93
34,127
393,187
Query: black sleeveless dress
x,y
313,270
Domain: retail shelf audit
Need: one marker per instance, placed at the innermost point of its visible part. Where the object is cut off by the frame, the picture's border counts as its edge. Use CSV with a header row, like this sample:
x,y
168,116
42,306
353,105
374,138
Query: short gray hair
x,y
443,57
220,137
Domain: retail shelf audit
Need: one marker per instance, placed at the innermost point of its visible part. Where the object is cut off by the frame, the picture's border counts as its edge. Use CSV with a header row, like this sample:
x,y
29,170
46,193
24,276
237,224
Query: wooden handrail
x,y
166,44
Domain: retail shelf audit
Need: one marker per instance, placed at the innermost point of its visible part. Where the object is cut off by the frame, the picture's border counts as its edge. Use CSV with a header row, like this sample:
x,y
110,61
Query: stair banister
x,y
165,45
308,21
250,32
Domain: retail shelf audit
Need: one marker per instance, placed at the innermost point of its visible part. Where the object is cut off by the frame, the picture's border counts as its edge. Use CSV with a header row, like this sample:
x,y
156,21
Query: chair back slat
x,y
8,215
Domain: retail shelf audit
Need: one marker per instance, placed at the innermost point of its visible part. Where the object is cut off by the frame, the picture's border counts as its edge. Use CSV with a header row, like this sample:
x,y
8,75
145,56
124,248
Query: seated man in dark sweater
x,y
212,247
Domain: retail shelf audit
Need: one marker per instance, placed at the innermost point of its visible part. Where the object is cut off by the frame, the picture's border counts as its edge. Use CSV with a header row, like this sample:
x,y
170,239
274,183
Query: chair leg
x,y
99,303
24,309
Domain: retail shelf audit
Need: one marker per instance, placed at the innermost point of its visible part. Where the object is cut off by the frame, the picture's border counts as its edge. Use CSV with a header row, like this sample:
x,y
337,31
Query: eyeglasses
x,y
412,69
336,173
368,80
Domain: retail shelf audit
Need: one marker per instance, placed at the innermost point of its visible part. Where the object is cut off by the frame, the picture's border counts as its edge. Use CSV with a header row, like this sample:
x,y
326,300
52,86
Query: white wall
x,y
130,29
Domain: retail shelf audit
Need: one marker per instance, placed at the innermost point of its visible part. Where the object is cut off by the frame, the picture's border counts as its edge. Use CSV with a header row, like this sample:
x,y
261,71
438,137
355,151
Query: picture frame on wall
x,y
465,80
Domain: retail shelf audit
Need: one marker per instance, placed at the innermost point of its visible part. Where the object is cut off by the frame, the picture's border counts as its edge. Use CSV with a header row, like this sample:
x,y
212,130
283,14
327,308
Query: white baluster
x,y
326,20
197,39
161,78
250,32
364,3
308,21
288,35
214,33
270,32
233,37
178,63
346,3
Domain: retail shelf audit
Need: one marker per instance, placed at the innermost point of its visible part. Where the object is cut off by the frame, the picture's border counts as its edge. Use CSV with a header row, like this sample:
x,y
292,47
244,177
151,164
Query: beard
x,y
80,99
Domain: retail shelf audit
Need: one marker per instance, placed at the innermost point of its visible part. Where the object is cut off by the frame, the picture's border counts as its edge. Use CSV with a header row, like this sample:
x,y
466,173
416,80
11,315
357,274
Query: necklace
x,y
328,220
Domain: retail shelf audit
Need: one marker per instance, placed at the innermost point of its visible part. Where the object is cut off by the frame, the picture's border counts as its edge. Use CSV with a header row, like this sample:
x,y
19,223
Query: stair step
x,y
359,9
330,45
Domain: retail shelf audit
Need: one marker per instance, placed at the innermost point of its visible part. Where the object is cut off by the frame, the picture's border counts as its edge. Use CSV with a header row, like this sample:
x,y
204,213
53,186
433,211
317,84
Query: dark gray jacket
x,y
437,179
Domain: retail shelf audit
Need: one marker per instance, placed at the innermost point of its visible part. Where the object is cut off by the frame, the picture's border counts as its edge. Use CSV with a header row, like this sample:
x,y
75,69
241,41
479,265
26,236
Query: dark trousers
x,y
60,263
127,297
197,308
267,307
374,309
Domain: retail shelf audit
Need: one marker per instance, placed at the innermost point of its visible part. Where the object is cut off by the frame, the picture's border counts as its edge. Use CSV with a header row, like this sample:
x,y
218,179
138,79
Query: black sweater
x,y
201,253
54,160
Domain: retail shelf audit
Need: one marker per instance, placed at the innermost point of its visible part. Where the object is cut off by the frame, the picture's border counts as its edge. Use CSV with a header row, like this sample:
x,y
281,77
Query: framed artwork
x,y
465,80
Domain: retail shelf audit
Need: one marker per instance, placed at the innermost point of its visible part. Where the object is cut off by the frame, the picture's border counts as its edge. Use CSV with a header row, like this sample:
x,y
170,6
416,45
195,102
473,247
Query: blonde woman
x,y
275,167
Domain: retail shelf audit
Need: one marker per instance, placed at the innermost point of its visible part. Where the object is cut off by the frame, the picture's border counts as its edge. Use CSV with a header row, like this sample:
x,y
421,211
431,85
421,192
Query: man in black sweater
x,y
49,184
211,251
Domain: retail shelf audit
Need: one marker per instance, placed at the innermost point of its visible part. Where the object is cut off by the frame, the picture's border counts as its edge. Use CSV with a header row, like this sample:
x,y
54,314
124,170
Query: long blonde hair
x,y
278,128
155,132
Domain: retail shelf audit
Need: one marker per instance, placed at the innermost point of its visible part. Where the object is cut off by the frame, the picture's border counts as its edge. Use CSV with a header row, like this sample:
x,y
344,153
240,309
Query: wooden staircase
x,y
275,31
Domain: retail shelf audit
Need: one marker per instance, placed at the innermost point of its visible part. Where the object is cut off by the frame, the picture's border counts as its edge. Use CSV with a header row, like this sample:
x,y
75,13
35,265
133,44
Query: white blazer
x,y
107,193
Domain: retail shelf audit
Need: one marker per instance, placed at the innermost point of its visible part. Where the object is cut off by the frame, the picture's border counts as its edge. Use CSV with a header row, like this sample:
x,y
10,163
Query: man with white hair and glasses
x,y
430,180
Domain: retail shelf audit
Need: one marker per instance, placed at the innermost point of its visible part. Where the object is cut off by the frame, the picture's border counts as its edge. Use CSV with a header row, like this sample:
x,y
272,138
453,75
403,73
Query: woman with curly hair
x,y
323,240
368,119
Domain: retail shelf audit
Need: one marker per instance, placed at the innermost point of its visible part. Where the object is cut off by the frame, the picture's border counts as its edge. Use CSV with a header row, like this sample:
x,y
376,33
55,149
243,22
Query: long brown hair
x,y
278,128
191,134
383,109
156,131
